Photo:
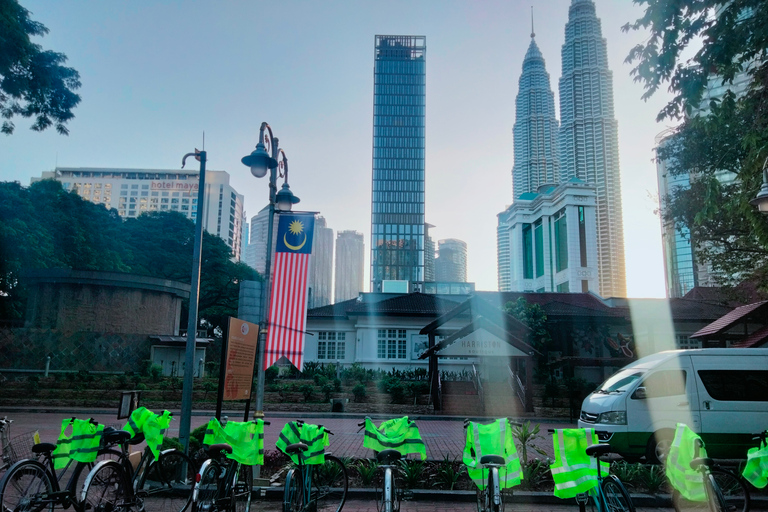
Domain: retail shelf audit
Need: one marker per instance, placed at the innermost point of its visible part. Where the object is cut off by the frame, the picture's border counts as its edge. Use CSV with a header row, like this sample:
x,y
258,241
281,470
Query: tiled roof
x,y
413,304
756,339
689,309
333,310
558,304
729,320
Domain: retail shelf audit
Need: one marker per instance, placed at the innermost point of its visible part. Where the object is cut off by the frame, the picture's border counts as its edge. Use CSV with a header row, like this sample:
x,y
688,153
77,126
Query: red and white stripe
x,y
287,309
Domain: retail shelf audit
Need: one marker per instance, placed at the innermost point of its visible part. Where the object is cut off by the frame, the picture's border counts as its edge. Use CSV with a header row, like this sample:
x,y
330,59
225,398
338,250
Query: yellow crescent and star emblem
x,y
295,228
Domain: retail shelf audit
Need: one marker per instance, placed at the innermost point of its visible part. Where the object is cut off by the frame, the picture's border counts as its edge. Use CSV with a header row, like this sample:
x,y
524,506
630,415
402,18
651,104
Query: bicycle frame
x,y
388,494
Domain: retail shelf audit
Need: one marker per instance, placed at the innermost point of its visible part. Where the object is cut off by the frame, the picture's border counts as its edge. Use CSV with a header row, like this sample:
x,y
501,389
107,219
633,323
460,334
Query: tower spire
x,y
533,34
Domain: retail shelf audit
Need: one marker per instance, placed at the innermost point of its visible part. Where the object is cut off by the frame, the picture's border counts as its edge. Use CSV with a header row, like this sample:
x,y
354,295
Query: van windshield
x,y
620,381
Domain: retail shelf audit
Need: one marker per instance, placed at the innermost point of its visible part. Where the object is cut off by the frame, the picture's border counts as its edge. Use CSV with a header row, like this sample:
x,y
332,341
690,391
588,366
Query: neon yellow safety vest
x,y
152,425
688,482
492,439
575,472
82,445
398,434
756,470
245,437
314,436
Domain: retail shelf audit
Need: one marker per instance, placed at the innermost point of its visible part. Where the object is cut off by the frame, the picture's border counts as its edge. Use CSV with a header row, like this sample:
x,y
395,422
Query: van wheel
x,y
658,446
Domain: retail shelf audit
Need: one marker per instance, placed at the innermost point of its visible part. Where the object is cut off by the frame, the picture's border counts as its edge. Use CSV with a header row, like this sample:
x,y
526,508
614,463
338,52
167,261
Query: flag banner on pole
x,y
288,297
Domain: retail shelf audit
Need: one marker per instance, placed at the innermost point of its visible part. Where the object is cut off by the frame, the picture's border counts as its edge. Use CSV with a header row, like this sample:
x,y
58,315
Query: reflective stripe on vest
x,y
153,426
756,470
82,445
245,437
314,436
687,481
492,439
574,472
399,434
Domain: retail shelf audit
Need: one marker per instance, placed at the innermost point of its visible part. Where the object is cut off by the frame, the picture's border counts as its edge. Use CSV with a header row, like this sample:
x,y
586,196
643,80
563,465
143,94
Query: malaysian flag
x,y
288,298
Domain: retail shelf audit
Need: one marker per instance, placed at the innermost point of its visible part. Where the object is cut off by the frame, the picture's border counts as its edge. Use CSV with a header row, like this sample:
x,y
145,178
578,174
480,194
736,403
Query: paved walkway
x,y
442,437
440,506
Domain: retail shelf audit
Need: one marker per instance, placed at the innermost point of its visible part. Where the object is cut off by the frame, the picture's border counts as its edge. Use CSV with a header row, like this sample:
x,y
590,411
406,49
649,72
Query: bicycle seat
x,y
492,459
296,448
137,439
700,461
215,449
598,449
114,437
388,457
43,448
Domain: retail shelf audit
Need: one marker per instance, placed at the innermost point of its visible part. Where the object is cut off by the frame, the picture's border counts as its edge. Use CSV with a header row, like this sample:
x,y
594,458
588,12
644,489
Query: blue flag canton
x,y
295,232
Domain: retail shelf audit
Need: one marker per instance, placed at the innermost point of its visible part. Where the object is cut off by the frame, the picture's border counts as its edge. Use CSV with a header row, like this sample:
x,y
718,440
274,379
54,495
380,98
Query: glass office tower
x,y
397,209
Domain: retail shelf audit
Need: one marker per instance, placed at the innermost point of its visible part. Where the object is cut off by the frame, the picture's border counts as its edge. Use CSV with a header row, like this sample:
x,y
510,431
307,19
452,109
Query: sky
x,y
156,75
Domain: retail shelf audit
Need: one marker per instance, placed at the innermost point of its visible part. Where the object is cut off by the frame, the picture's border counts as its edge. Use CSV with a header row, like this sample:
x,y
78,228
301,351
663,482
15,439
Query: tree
x,y
33,81
723,142
535,318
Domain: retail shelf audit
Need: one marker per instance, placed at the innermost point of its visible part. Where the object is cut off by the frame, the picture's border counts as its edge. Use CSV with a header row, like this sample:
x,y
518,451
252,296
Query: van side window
x,y
665,383
736,385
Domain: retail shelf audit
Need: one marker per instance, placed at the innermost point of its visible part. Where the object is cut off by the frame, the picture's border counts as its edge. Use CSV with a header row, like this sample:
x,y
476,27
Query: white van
x,y
721,393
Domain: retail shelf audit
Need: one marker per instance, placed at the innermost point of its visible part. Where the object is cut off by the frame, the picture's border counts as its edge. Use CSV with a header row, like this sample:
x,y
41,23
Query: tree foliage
x,y
33,82
44,226
722,139
535,318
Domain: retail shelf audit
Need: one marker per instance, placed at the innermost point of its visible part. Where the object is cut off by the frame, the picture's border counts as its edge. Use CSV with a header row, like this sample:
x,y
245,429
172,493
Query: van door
x,y
662,399
734,401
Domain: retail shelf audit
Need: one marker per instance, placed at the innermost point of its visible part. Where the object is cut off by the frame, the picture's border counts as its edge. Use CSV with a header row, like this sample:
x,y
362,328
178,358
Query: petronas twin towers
x,y
582,148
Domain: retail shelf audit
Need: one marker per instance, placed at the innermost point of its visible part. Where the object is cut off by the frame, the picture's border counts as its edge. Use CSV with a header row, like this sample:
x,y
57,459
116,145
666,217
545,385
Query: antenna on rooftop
x,y
533,34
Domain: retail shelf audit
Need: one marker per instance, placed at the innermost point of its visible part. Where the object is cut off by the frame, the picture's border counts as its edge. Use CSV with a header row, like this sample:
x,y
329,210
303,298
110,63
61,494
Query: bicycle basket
x,y
20,447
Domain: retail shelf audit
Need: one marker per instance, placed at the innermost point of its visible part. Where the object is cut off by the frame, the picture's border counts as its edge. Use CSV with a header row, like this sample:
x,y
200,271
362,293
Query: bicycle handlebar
x,y
301,422
598,432
509,420
762,436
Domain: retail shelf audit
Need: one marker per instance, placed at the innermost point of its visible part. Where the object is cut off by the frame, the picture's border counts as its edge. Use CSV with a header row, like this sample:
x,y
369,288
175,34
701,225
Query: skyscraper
x,y
397,206
588,136
536,129
451,262
321,265
350,254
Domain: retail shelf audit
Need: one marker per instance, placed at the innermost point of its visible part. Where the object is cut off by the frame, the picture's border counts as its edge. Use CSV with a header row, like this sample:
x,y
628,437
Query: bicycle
x,y
725,490
388,459
313,487
14,449
223,484
490,497
609,495
32,485
164,483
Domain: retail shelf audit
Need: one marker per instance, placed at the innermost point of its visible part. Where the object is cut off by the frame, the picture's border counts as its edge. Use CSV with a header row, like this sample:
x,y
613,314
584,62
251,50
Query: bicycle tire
x,y
80,471
293,494
242,490
106,488
26,486
733,490
616,497
206,491
167,483
330,484
714,496
482,499
491,486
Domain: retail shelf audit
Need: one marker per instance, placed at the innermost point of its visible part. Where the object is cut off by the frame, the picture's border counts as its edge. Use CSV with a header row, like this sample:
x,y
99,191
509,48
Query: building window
x,y
564,287
392,344
582,237
684,341
331,345
561,241
538,235
527,252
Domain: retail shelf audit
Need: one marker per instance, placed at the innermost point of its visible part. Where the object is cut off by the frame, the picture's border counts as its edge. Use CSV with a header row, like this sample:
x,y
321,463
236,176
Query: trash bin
x,y
337,404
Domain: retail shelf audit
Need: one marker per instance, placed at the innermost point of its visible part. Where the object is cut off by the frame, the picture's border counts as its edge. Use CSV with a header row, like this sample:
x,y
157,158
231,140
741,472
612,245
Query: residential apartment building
x,y
350,256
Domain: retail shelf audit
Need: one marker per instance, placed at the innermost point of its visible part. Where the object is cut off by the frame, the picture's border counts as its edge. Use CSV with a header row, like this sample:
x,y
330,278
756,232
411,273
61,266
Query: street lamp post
x,y
268,157
761,200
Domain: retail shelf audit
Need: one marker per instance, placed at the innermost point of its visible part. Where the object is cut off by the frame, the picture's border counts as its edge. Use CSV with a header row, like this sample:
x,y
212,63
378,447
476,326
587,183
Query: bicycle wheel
x,y
106,488
26,487
493,491
714,496
329,485
293,496
616,496
242,490
206,493
166,485
732,489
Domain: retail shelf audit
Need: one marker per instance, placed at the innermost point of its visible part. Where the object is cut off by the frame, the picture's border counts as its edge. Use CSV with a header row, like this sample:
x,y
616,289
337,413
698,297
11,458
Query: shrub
x,y
337,385
652,477
196,438
535,473
320,379
311,368
367,469
327,389
525,437
411,471
156,372
397,392
448,473
270,374
359,392
173,442
307,390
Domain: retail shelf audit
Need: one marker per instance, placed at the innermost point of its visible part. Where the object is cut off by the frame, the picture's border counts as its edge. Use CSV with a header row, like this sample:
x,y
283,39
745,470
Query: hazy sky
x,y
157,74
